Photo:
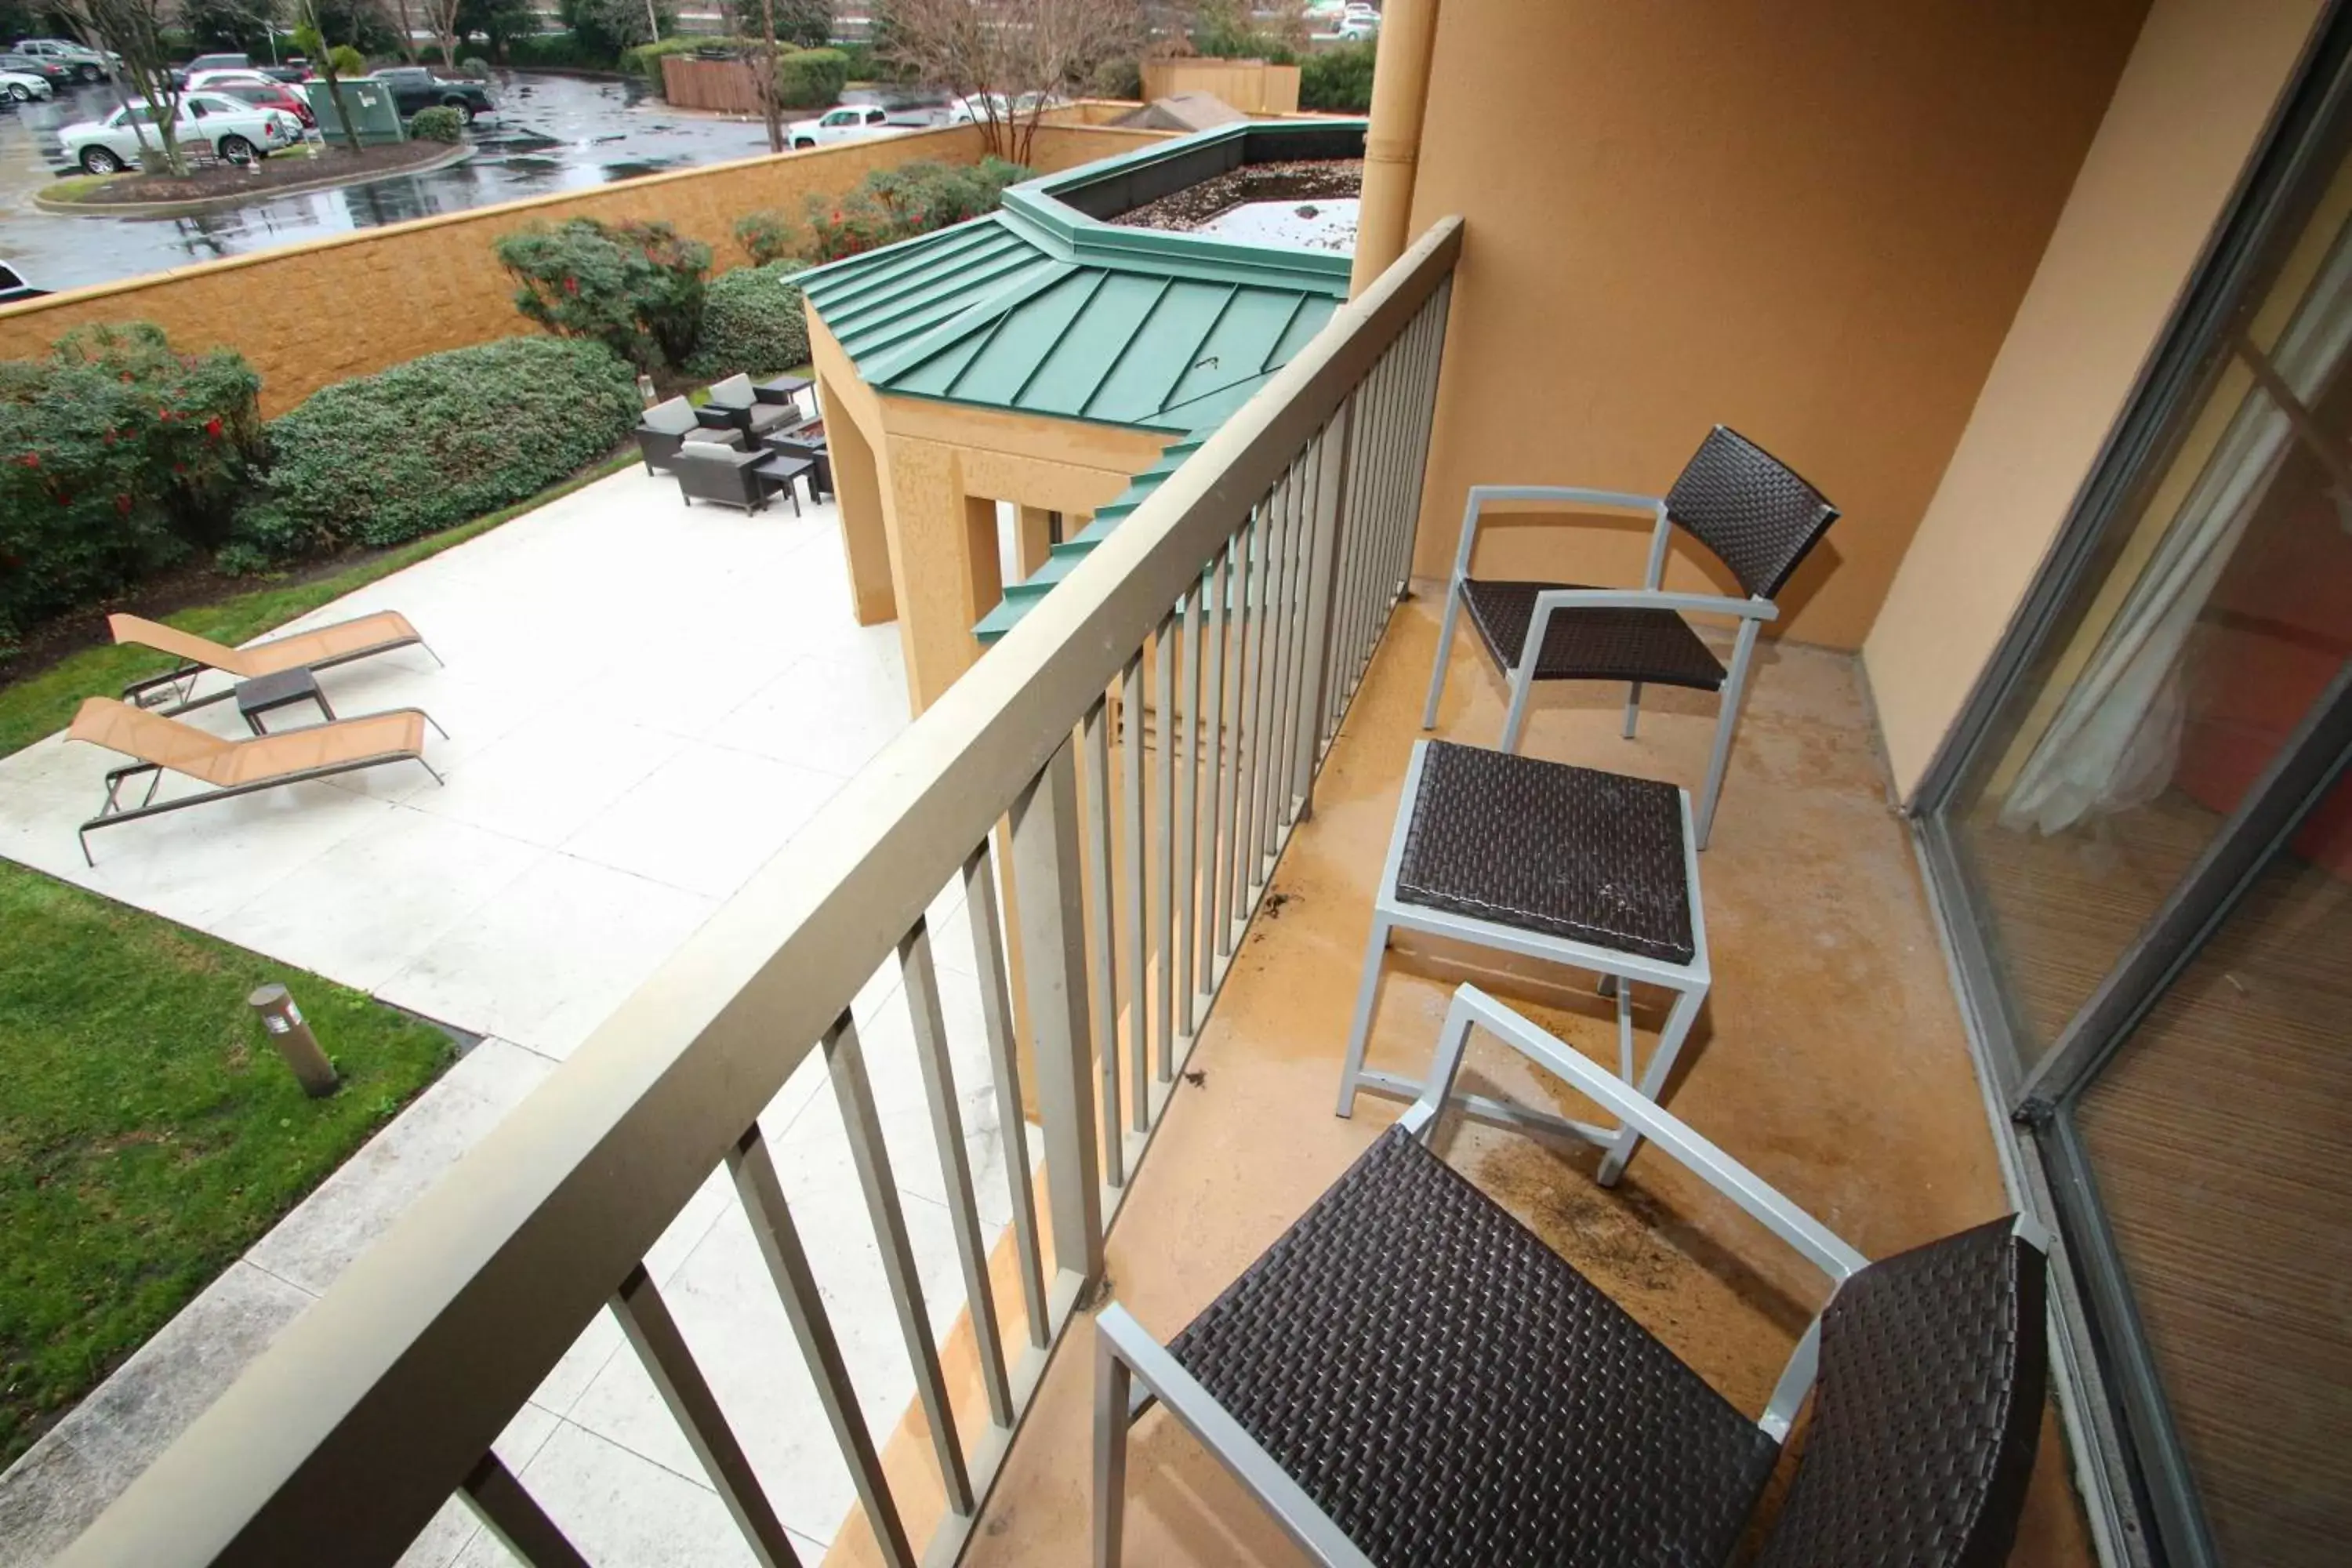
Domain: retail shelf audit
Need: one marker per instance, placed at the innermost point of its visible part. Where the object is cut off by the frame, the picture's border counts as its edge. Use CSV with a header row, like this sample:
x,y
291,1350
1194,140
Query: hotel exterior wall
x,y
1813,222
328,309
2200,87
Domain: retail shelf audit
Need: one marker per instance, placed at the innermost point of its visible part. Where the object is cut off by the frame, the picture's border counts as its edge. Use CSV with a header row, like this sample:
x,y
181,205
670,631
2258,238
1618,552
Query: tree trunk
x,y
770,92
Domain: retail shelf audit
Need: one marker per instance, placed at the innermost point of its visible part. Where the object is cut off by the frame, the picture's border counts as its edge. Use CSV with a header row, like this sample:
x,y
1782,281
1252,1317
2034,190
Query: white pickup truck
x,y
850,123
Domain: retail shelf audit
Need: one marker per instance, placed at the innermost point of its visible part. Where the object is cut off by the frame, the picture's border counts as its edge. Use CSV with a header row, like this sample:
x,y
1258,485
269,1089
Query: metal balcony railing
x,y
1231,617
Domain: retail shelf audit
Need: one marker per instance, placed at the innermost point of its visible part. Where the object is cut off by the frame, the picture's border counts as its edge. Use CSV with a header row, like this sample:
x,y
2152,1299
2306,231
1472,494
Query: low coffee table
x,y
786,471
284,689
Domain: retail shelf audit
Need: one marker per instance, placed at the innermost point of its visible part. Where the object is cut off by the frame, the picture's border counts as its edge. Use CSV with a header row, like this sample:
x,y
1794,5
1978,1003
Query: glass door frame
x,y
2140,1491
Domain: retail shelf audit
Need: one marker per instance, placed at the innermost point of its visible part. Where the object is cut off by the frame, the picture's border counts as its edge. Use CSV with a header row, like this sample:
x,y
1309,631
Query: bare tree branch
x,y
1010,58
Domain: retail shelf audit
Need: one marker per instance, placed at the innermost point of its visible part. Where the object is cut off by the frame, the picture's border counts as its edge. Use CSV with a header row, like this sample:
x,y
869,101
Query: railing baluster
x,y
753,1170
1280,761
1252,610
1102,938
1131,894
1270,679
653,1333
1051,907
1322,649
1187,877
1004,1058
1164,652
923,982
1229,787
1212,763
508,1511
845,1062
1354,524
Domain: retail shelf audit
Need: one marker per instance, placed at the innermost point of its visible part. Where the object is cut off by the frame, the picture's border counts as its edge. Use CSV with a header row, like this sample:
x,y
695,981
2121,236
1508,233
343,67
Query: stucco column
x,y
858,491
1035,538
932,567
1393,145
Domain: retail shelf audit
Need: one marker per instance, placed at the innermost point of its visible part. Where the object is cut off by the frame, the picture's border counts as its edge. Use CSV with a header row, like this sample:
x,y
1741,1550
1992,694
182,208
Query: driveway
x,y
552,133
646,702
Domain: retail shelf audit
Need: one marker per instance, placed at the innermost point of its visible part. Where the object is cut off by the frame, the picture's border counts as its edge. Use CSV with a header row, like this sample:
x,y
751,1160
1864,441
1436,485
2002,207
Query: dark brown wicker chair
x,y
668,426
735,404
1743,505
748,479
1410,1376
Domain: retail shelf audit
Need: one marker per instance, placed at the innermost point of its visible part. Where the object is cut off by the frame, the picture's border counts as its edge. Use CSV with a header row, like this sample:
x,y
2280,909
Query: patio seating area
x,y
645,702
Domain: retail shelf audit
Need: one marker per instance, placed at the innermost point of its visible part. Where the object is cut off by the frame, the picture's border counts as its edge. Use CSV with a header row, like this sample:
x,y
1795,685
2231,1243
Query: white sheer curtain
x,y
2116,736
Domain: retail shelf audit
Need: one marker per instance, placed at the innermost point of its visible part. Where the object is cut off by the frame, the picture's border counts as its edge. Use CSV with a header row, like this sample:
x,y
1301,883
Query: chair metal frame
x,y
1688,982
1750,612
1126,1354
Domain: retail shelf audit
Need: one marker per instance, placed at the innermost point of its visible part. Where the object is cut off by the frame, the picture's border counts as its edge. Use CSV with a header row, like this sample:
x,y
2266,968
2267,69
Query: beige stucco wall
x,y
2200,87
328,309
1812,220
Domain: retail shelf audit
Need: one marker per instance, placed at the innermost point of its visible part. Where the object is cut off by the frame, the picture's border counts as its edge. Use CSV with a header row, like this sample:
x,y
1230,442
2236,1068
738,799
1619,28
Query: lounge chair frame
x,y
114,811
182,680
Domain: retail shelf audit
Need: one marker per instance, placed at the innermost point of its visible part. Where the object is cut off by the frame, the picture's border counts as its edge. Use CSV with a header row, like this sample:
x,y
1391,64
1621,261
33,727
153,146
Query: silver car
x,y
238,131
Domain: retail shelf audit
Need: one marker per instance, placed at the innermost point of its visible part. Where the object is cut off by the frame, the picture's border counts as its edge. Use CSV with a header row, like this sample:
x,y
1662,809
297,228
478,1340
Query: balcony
x,y
1164,798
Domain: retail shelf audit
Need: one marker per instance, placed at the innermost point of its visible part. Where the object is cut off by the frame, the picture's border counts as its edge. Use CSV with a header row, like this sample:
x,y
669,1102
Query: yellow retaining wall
x,y
329,309
1253,86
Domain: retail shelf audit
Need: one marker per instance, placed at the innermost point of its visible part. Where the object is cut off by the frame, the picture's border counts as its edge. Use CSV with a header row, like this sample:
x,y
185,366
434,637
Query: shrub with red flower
x,y
636,287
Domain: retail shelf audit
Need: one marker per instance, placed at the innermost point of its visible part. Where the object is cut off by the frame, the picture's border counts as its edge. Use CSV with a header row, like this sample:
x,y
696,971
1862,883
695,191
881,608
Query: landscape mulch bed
x,y
217,179
1298,179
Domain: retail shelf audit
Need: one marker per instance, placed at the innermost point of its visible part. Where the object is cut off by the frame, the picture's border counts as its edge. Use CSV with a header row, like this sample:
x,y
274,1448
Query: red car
x,y
274,95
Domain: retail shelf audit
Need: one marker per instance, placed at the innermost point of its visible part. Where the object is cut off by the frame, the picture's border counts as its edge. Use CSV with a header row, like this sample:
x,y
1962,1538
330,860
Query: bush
x,y
116,456
636,287
891,205
753,322
557,51
348,62
439,123
1231,30
606,28
646,58
437,441
764,234
810,78
474,68
1338,80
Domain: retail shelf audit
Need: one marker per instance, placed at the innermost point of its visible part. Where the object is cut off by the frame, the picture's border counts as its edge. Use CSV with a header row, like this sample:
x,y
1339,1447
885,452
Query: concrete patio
x,y
645,701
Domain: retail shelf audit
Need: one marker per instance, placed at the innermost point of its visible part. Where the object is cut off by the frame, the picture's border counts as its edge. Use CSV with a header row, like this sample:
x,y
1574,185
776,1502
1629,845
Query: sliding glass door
x,y
2142,848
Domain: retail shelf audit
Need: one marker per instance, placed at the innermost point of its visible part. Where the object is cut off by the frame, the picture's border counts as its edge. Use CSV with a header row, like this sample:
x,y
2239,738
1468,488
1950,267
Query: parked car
x,y
238,131
55,74
185,76
24,87
415,87
13,286
850,123
81,63
263,91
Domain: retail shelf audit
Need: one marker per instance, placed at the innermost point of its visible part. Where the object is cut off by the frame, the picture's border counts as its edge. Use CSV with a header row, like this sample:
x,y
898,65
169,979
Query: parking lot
x,y
552,133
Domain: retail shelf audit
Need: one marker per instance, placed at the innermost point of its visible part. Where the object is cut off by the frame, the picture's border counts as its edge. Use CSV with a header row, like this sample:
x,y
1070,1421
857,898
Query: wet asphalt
x,y
552,133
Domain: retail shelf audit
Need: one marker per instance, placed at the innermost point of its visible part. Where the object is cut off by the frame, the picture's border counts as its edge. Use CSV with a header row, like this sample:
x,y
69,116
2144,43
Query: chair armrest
x,y
1551,599
716,416
1481,495
1635,1108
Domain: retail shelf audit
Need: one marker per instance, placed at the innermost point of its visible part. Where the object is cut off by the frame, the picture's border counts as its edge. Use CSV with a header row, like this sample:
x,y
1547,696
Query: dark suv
x,y
415,87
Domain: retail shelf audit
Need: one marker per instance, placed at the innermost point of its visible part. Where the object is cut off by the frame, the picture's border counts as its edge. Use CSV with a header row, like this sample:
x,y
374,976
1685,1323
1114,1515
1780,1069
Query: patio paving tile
x,y
549,955
704,820
543,782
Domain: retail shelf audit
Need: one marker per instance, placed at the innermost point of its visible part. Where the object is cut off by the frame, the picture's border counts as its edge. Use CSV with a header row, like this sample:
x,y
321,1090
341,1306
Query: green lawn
x,y
148,1132
43,704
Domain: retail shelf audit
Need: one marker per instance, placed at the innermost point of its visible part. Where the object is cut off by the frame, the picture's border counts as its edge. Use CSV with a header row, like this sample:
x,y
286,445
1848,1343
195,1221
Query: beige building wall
x,y
1253,87
2200,87
1812,220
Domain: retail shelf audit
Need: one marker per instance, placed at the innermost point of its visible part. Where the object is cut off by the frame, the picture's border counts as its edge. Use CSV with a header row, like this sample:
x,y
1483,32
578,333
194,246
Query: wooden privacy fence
x,y
729,86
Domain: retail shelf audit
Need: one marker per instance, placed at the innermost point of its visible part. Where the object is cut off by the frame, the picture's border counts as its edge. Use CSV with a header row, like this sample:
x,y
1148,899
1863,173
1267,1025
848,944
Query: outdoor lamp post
x,y
282,1021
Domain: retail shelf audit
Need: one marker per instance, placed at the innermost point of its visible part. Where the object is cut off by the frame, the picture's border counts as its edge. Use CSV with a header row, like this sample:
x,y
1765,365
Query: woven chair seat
x,y
1613,643
1451,1393
1594,857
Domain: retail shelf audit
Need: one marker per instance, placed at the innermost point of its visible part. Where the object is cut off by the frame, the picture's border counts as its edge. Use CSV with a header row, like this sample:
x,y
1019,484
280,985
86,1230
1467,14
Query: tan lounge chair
x,y
236,767
338,644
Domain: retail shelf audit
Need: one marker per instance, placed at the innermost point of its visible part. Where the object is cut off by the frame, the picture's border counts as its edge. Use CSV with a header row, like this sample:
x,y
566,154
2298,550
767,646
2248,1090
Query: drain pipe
x,y
1393,145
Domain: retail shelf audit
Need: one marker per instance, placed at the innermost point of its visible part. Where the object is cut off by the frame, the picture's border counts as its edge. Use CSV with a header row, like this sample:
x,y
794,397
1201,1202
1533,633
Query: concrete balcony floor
x,y
1829,1058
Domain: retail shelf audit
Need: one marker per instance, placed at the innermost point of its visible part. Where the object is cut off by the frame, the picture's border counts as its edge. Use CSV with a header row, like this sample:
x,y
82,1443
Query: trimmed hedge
x,y
1338,80
439,123
430,443
646,58
117,456
561,51
812,79
752,321
634,286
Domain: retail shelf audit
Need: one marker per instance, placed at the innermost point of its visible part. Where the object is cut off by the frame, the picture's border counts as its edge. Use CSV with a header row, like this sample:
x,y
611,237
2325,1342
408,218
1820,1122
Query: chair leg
x,y
1360,1031
1111,1379
1632,707
1523,683
1726,722
1679,1019
1444,654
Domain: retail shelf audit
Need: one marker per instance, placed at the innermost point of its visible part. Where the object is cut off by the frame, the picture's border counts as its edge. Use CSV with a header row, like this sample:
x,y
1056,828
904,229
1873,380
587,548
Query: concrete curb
x,y
50,203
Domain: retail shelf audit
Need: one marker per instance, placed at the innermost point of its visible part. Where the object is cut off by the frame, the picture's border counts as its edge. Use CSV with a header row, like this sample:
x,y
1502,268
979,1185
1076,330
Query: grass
x,y
44,703
148,1134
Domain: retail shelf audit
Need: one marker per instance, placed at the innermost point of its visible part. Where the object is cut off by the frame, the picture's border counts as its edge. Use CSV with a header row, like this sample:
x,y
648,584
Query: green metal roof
x,y
1040,309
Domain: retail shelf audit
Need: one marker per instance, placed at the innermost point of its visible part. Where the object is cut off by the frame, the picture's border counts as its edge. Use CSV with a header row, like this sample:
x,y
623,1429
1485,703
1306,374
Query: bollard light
x,y
282,1021
645,391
